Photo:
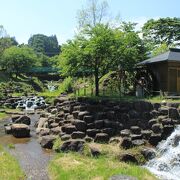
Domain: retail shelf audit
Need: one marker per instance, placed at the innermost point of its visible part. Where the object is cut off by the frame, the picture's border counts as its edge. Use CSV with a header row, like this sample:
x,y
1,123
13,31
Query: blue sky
x,y
23,18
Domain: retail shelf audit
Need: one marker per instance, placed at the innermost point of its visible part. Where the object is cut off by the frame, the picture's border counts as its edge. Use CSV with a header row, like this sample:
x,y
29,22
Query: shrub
x,y
66,85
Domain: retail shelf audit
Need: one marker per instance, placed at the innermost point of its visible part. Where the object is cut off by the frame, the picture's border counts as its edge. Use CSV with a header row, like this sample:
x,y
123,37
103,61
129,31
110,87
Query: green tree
x,y
163,30
71,58
47,45
54,61
129,50
17,59
98,50
5,40
161,49
99,46
127,26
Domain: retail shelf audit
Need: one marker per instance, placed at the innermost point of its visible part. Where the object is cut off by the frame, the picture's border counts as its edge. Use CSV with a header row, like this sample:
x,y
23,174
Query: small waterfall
x,y
51,87
166,164
31,103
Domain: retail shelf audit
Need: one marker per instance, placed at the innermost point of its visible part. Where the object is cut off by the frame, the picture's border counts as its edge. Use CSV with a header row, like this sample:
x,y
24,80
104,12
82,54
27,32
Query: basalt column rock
x,y
134,123
20,130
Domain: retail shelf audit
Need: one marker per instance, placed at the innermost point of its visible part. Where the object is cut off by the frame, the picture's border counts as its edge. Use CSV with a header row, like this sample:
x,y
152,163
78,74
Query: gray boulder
x,y
20,130
102,138
173,113
128,158
72,145
23,120
155,139
148,153
78,135
47,141
126,143
80,125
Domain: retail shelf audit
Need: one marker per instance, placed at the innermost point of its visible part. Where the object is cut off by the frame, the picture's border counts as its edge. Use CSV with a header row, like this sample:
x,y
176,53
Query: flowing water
x,y
166,165
30,103
32,158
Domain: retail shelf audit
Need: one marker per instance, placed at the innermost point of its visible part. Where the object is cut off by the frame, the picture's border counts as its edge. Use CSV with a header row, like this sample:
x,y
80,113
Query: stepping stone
x,y
20,130
78,135
102,138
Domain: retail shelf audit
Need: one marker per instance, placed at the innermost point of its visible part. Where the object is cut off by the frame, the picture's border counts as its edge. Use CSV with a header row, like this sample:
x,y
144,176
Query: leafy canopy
x,y
47,45
163,30
99,49
17,59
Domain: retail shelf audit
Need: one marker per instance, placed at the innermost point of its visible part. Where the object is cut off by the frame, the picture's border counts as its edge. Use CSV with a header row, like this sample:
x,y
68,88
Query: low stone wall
x,y
137,123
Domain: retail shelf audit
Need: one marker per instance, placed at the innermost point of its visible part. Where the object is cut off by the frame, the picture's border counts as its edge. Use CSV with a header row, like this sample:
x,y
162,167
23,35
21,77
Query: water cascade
x,y
166,164
31,103
51,87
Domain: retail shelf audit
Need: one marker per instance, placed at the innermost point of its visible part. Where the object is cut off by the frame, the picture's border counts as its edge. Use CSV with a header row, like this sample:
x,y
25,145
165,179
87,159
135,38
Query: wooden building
x,y
165,71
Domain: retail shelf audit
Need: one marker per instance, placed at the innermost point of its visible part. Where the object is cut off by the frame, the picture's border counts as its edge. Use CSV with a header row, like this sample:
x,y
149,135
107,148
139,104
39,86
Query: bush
x,y
66,85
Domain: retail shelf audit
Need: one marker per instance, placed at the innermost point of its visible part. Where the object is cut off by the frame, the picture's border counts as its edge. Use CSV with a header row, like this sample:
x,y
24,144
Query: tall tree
x,y
95,13
5,40
48,45
17,59
161,49
98,50
163,30
70,59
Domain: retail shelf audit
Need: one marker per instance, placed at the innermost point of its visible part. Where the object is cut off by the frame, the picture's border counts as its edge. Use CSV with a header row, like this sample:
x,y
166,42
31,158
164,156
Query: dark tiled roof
x,y
172,55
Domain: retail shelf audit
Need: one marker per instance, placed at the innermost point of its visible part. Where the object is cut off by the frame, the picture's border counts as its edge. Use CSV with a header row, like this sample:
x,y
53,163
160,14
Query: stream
x,y
32,158
166,165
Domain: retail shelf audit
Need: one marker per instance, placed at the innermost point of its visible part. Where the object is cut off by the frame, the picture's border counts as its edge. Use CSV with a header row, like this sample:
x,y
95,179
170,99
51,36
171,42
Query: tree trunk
x,y
96,81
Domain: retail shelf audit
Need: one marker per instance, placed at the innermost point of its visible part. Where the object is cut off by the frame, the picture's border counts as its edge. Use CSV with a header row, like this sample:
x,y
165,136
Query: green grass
x,y
3,115
50,96
116,97
7,110
9,169
159,99
15,94
74,166
47,93
11,146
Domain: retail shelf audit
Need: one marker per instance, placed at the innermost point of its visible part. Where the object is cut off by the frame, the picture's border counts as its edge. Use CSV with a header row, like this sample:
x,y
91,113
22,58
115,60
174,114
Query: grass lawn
x,y
158,99
3,115
50,96
9,168
7,111
73,166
